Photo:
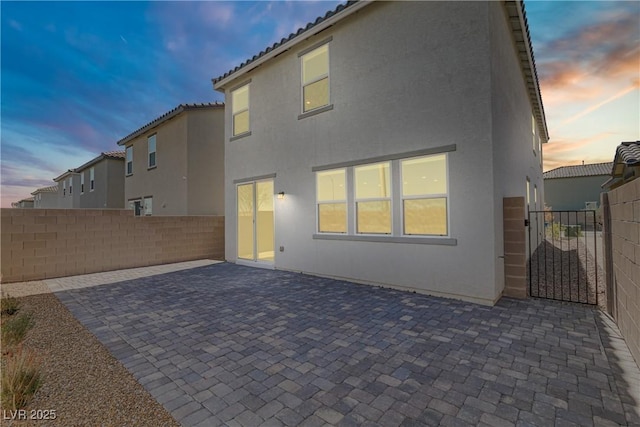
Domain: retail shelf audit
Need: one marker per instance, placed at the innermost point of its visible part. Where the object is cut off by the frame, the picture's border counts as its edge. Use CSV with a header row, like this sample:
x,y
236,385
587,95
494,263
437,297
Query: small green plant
x,y
556,230
9,305
21,378
14,329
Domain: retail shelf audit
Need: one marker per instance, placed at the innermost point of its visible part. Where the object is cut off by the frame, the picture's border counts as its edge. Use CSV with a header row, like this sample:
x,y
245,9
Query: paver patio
x,y
230,345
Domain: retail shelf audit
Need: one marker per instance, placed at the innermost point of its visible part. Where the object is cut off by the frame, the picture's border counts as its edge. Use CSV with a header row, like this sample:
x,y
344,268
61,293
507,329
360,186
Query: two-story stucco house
x,y
102,181
46,197
174,165
68,185
97,184
377,145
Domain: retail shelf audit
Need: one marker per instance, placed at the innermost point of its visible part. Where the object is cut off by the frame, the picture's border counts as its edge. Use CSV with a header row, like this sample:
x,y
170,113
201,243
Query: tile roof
x,y
628,153
517,19
114,154
166,116
593,169
50,189
301,31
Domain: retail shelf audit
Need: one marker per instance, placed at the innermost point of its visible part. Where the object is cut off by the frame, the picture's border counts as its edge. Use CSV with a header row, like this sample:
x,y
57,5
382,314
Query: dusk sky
x,y
78,76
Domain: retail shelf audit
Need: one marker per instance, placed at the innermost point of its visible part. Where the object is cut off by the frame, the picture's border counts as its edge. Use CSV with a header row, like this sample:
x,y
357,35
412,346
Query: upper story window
x,y
424,195
70,186
64,187
373,198
315,79
331,190
129,160
82,183
92,179
151,143
240,110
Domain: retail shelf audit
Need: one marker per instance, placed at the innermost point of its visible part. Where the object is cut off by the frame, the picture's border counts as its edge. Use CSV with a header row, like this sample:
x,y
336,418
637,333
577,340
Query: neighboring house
x,y
68,189
625,166
377,145
174,165
23,204
45,197
102,181
574,188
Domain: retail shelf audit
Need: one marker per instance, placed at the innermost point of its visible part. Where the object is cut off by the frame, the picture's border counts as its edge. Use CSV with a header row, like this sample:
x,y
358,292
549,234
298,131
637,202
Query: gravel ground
x,y
564,269
82,382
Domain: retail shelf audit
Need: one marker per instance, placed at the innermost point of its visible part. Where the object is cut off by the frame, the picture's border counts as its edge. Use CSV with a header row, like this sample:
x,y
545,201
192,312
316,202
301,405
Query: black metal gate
x,y
563,253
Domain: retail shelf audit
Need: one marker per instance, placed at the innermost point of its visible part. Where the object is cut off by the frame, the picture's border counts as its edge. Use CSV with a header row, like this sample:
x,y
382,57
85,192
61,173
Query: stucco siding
x,y
514,158
167,182
205,180
115,179
404,76
573,193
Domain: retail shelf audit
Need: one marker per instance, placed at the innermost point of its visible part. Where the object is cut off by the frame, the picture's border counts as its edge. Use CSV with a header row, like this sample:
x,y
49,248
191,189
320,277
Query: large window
x,y
399,197
129,159
92,179
332,201
315,79
373,198
151,144
240,110
424,195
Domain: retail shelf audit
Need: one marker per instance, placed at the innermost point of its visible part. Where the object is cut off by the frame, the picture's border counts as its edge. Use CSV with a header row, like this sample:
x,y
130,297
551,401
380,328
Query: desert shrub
x,y
14,329
20,378
9,305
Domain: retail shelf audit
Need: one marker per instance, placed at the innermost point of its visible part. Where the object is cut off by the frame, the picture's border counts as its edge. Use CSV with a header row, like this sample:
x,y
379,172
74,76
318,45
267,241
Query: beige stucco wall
x,y
44,243
189,176
205,162
108,192
404,76
624,204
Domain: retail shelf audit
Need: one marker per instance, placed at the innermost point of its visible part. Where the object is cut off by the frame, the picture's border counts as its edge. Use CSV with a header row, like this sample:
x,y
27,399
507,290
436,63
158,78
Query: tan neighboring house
x,y
68,195
97,184
174,165
102,181
23,204
45,197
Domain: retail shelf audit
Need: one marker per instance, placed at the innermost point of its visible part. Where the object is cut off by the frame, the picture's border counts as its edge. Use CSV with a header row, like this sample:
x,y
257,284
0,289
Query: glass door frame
x,y
255,261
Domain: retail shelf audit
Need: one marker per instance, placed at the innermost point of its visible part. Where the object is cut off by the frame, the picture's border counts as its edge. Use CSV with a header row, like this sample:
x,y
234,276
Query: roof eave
x,y
179,110
528,66
222,83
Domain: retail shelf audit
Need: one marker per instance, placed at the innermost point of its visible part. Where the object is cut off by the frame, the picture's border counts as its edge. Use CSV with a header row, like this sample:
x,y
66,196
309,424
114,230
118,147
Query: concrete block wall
x,y
624,203
515,247
46,243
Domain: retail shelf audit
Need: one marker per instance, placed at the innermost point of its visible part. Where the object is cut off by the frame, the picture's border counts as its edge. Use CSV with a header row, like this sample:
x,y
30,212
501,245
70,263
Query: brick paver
x,y
232,345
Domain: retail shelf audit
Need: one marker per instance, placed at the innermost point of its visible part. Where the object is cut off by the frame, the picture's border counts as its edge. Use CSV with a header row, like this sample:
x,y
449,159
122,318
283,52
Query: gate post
x,y
607,248
515,247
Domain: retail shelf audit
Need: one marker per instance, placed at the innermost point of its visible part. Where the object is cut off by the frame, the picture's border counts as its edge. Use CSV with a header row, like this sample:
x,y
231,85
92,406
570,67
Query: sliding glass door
x,y
255,221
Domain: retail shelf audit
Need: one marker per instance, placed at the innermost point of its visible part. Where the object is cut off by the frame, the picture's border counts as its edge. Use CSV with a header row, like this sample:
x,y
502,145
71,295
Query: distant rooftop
x,y
50,189
166,116
592,169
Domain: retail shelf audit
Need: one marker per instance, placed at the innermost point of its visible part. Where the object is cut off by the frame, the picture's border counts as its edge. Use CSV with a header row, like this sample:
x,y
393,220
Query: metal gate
x,y
563,251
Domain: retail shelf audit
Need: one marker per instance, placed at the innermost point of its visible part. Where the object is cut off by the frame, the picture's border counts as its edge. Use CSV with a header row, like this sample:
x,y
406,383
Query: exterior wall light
x,y
281,195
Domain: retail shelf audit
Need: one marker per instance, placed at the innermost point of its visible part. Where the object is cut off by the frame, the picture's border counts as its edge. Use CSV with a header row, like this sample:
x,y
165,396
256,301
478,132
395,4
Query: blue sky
x,y
78,76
